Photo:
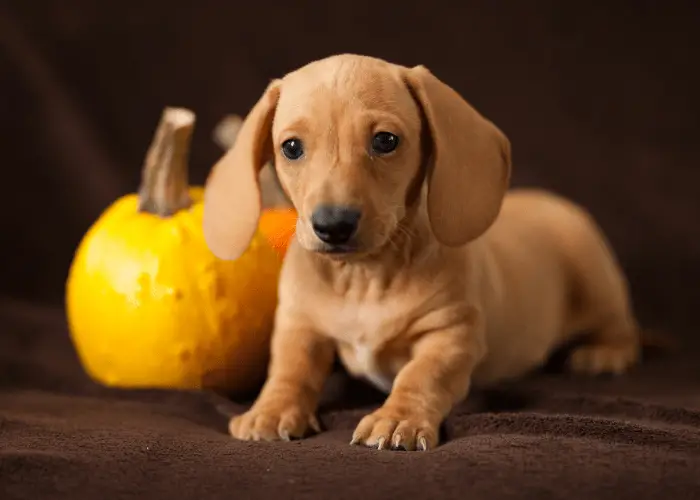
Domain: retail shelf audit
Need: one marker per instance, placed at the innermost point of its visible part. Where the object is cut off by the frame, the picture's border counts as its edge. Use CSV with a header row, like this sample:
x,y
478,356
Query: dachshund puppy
x,y
411,261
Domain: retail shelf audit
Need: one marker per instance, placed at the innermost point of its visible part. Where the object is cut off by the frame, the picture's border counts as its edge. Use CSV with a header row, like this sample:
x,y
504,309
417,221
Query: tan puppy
x,y
402,264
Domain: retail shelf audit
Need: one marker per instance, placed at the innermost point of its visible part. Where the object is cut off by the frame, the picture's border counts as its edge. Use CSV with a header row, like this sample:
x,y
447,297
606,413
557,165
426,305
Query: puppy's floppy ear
x,y
232,193
469,167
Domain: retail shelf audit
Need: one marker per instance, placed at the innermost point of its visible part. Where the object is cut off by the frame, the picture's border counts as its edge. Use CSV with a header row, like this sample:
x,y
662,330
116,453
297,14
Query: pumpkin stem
x,y
164,179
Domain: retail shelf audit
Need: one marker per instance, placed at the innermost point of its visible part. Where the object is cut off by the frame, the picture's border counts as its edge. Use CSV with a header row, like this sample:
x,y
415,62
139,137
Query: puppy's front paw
x,y
273,423
387,429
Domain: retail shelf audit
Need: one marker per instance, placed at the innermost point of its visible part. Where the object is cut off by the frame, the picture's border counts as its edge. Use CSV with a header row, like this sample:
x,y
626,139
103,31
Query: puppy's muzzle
x,y
335,226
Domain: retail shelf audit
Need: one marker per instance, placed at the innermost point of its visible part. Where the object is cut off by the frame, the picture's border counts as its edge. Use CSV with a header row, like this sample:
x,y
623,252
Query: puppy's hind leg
x,y
603,309
611,350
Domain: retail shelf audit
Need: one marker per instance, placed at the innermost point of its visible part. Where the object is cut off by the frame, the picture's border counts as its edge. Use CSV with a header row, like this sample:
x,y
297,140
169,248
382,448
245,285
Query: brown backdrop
x,y
601,104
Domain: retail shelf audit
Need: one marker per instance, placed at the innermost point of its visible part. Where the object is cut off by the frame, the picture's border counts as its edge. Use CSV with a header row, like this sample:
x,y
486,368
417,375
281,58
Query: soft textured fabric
x,y
549,437
600,103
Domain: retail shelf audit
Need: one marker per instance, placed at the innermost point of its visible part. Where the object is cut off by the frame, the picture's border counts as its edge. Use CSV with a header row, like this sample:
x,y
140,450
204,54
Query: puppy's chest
x,y
371,337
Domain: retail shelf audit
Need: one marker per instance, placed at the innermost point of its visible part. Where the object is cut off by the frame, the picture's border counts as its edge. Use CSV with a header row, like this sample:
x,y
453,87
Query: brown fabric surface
x,y
549,437
600,103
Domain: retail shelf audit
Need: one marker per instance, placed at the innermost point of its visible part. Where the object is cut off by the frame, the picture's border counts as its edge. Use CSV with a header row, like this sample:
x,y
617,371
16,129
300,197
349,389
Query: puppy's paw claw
x,y
406,433
273,424
422,444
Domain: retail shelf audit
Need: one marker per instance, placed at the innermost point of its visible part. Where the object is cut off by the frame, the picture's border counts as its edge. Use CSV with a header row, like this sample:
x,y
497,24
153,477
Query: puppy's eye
x,y
384,143
292,149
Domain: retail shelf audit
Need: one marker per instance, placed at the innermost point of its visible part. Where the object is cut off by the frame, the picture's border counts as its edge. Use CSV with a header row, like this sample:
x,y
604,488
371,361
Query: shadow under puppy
x,y
411,261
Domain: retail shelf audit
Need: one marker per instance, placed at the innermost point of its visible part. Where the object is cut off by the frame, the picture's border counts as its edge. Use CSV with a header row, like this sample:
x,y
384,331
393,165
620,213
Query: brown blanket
x,y
600,103
63,437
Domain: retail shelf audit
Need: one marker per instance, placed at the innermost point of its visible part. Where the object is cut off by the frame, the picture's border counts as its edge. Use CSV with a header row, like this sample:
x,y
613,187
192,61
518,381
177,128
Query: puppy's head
x,y
353,139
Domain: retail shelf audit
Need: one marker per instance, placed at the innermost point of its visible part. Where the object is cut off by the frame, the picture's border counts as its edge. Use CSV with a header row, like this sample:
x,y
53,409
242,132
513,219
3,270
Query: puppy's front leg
x,y
424,391
299,365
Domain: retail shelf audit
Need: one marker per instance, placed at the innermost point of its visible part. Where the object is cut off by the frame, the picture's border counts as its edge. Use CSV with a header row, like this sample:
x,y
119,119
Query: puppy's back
x,y
559,229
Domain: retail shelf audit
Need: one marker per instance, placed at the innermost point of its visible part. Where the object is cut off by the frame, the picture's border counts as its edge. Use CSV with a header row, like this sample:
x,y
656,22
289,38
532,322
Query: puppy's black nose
x,y
335,225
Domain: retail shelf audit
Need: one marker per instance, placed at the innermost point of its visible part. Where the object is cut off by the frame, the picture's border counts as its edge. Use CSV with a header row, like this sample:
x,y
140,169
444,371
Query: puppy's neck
x,y
381,272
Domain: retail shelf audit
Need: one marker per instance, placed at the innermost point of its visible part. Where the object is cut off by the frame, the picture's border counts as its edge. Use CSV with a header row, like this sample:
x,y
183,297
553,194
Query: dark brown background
x,y
601,103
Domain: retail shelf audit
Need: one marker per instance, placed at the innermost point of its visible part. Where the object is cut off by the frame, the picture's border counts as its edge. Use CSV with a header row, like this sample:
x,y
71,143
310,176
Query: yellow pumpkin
x,y
149,305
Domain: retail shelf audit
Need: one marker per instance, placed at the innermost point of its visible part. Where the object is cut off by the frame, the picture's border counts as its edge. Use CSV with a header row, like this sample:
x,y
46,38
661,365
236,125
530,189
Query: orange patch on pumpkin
x,y
278,226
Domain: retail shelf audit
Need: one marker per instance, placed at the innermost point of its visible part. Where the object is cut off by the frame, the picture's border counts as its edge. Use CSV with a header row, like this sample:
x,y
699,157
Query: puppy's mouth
x,y
352,250
338,250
